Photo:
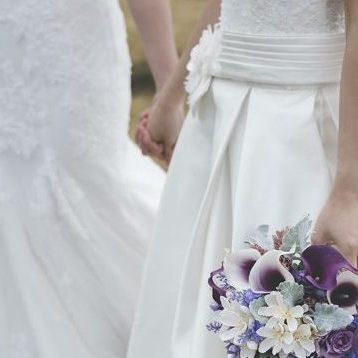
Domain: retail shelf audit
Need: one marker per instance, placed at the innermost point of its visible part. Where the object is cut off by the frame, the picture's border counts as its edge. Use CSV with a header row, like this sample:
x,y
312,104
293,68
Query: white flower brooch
x,y
201,65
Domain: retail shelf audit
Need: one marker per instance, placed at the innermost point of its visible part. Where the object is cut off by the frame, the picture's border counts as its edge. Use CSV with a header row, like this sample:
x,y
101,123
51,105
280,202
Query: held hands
x,y
158,128
338,224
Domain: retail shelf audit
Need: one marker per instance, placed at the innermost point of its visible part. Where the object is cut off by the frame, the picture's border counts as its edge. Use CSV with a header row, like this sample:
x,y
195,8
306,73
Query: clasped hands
x,y
158,129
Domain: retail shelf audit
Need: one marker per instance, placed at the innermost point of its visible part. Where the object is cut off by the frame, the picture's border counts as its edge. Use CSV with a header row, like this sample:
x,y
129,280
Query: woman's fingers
x,y
328,233
350,253
141,125
148,145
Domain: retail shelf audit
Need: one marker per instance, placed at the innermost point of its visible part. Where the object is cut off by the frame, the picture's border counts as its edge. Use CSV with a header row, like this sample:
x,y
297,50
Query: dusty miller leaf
x,y
330,317
297,236
292,292
261,237
254,309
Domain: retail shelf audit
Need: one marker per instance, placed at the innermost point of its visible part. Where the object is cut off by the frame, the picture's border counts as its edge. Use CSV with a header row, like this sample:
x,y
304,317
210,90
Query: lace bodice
x,y
64,76
283,16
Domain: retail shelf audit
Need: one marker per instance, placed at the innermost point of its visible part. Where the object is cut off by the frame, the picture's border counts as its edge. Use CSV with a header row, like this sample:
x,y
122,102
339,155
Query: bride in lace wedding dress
x,y
258,147
77,199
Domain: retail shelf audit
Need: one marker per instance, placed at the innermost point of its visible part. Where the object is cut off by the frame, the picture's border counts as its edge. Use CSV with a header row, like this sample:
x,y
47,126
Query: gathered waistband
x,y
280,60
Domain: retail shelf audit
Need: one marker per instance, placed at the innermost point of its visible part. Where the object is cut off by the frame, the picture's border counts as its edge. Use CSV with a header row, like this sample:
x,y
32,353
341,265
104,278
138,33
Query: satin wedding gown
x,y
257,148
77,200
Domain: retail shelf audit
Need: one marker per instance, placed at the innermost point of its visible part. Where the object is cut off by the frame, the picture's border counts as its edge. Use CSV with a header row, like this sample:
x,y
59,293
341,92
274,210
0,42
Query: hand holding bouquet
x,y
284,297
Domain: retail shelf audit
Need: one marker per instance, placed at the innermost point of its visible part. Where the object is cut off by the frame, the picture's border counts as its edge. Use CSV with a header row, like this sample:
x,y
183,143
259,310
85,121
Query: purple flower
x,y
322,263
219,290
233,351
214,327
354,324
238,267
312,293
345,294
336,343
244,297
268,272
250,296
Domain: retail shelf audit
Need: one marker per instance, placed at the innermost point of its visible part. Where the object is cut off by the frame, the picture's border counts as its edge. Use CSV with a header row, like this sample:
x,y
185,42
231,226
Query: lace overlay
x,y
283,16
58,62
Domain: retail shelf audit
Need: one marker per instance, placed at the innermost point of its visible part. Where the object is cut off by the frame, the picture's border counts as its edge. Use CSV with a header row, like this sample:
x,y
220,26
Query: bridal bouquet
x,y
282,297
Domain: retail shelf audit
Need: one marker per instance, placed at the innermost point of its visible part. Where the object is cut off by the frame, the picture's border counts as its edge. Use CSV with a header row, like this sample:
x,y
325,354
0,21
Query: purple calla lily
x,y
322,264
345,294
218,291
268,272
238,267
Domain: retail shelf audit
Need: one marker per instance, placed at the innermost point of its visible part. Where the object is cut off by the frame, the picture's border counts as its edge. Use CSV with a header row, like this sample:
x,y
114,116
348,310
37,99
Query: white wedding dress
x,y
258,147
77,199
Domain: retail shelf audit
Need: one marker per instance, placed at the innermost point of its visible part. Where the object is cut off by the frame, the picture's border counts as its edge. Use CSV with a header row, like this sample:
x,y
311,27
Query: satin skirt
x,y
258,155
253,154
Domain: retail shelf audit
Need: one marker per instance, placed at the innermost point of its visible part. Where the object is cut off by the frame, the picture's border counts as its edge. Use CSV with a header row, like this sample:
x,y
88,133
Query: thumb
x,y
319,236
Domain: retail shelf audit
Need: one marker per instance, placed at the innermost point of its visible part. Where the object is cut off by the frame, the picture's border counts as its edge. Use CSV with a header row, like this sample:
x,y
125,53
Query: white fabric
x,y
255,152
280,60
283,16
75,208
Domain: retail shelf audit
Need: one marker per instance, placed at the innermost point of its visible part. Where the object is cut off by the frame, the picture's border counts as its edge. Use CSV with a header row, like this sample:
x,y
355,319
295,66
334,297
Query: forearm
x,y
175,85
347,168
154,22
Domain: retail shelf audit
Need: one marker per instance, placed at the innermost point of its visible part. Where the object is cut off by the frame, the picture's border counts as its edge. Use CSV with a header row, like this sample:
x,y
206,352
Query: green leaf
x,y
254,309
292,292
261,237
330,317
297,236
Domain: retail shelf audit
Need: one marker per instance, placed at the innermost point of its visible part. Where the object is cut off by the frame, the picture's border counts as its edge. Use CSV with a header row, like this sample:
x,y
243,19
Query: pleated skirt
x,y
253,154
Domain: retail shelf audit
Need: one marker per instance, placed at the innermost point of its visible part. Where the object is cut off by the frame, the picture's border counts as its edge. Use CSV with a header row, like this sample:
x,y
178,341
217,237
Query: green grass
x,y
185,14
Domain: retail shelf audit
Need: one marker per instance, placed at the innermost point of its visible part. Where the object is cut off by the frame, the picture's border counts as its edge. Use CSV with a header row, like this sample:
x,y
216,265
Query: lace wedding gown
x,y
258,147
77,200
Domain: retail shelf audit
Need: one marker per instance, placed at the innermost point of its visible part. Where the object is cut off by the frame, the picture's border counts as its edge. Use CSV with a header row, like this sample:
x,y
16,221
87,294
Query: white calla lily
x,y
345,294
268,272
238,266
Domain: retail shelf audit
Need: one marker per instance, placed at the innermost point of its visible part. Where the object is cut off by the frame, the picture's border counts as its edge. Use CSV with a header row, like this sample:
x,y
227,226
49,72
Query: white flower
x,y
248,350
279,310
303,344
235,318
201,64
278,337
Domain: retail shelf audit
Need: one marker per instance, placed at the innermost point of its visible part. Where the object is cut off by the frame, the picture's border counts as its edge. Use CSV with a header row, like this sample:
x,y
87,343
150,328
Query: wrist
x,y
347,177
345,188
162,76
169,97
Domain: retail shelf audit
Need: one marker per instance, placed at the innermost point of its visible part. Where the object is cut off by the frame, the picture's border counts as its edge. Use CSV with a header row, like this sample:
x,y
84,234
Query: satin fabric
x,y
280,60
254,154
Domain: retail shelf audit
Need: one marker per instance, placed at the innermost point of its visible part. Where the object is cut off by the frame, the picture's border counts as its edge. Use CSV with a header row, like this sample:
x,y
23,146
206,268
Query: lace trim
x,y
283,16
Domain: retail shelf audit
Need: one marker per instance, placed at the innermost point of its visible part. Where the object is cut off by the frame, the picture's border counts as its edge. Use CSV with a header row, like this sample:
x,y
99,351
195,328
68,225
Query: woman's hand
x,y
143,138
159,128
164,124
338,224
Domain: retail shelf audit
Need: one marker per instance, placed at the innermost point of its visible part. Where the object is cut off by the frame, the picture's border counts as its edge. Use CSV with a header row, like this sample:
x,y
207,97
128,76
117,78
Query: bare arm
x,y
174,88
165,120
338,224
154,22
347,173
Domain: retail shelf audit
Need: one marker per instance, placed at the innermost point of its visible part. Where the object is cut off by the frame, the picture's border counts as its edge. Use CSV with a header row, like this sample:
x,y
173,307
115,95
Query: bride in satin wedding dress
x,y
77,199
259,146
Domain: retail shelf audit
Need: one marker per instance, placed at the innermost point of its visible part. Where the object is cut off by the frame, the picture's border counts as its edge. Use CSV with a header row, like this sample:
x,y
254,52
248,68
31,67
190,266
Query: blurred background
x,y
185,14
